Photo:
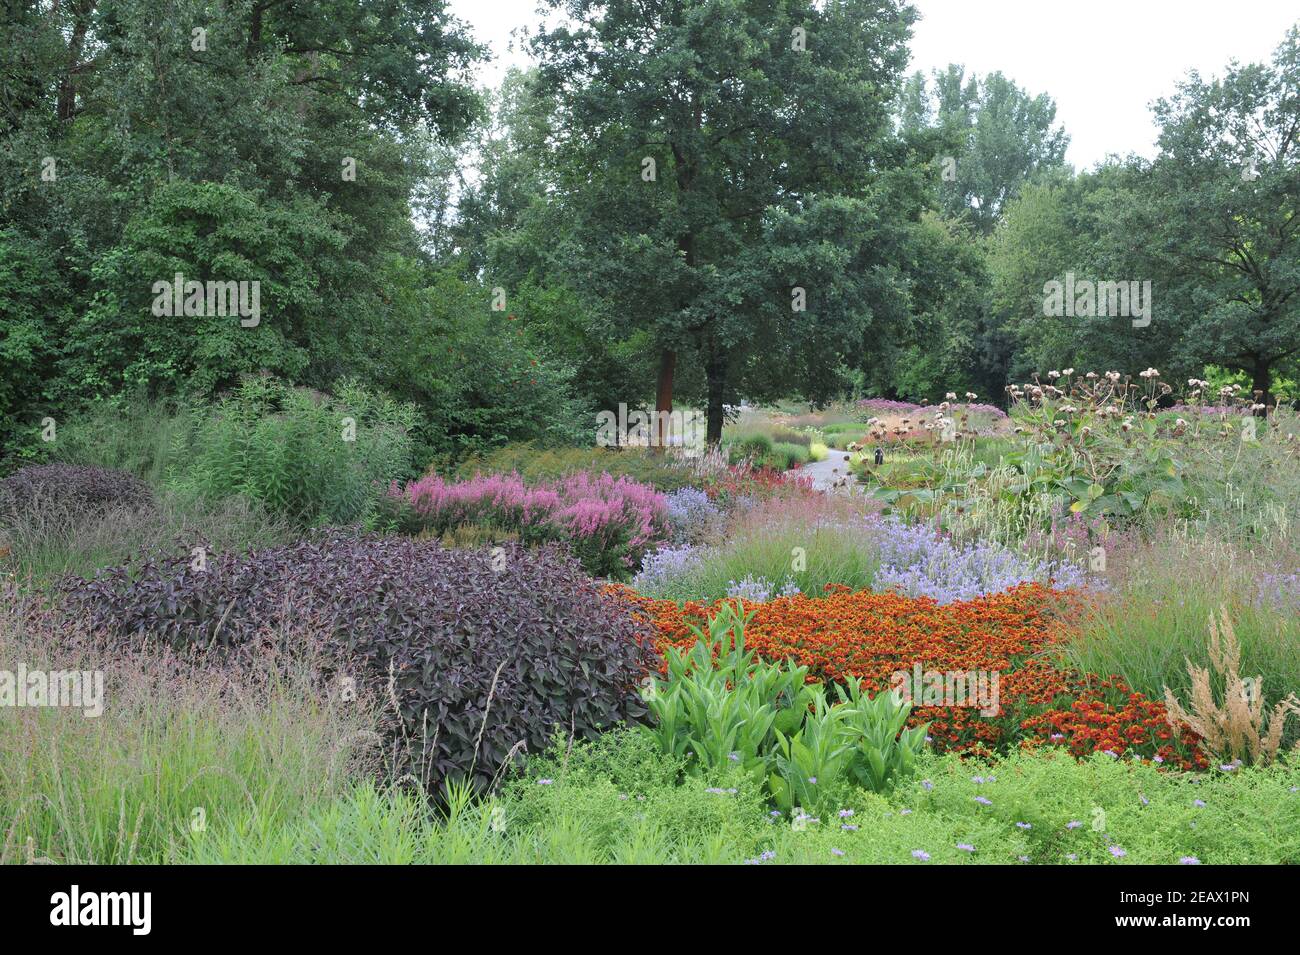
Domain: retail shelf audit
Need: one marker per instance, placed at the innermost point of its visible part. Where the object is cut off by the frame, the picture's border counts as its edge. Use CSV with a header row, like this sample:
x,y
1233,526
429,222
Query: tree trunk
x,y
66,103
664,398
1262,383
715,371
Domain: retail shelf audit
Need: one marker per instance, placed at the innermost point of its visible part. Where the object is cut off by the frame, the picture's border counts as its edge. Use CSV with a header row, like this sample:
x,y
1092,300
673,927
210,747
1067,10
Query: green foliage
x,y
537,465
288,151
34,316
618,800
721,708
311,457
996,135
485,377
147,437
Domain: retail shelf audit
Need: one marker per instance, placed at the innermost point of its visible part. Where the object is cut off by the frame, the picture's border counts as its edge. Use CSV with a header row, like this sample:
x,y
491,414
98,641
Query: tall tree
x,y
999,137
710,150
1221,220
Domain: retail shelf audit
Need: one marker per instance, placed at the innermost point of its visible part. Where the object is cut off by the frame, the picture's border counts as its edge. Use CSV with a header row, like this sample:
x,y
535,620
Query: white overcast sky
x,y
1103,61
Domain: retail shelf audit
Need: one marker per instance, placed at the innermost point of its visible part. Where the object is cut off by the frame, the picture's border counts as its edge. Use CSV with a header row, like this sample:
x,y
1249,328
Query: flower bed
x,y
608,522
872,636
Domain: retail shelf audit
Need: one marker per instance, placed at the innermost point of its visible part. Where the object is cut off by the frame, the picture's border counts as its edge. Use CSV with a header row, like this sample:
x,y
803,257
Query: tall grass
x,y
1157,614
47,540
147,437
178,748
812,541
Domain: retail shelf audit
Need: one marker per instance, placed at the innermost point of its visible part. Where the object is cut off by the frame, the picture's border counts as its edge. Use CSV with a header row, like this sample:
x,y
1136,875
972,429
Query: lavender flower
x,y
917,562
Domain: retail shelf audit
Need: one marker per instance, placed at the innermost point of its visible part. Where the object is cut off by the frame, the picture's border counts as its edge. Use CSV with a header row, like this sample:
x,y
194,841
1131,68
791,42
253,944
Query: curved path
x,y
825,473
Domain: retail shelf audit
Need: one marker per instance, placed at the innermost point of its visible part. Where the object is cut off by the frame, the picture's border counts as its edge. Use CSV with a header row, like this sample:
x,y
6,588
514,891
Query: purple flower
x,y
965,847
1198,803
1117,852
845,813
837,852
918,562
984,800
921,854
1024,825
545,782
849,827
927,785
1189,860
1073,824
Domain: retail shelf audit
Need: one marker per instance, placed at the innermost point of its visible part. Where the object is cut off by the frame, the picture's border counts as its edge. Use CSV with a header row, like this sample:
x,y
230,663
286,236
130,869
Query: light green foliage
x,y
720,705
313,458
617,800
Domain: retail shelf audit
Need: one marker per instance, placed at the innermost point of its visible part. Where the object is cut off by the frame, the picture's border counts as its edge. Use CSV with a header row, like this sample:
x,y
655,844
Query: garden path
x,y
826,473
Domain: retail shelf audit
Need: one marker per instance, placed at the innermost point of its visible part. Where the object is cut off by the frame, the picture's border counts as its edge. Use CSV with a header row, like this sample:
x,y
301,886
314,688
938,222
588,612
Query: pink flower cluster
x,y
600,515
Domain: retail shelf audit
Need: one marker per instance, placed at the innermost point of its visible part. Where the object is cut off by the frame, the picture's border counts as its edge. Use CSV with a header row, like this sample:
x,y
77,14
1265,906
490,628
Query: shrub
x,y
786,456
692,515
72,486
483,654
608,522
311,457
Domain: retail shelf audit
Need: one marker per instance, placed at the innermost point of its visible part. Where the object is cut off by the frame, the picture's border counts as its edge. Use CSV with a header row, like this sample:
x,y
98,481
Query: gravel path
x,y
826,473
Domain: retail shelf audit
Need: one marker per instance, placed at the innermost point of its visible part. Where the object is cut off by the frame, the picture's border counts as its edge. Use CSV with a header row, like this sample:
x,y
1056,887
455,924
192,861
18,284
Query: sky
x,y
1103,61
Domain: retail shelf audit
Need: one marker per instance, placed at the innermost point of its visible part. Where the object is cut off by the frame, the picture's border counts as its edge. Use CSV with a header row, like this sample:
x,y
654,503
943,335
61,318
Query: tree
x,y
250,140
1220,216
998,135
696,140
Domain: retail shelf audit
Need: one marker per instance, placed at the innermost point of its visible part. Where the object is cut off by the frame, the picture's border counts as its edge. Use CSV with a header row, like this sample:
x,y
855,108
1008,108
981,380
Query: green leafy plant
x,y
720,708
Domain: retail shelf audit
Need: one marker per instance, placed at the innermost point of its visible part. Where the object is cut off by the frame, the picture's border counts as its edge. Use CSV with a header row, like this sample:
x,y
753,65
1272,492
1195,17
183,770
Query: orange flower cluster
x,y
871,636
